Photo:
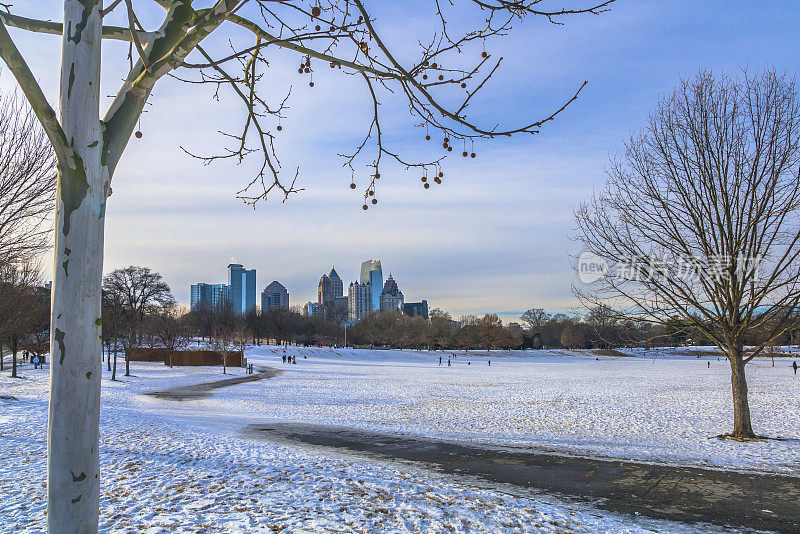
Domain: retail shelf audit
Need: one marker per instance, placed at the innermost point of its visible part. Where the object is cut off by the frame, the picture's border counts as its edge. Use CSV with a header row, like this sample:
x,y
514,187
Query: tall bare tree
x,y
135,291
27,183
169,327
342,34
700,220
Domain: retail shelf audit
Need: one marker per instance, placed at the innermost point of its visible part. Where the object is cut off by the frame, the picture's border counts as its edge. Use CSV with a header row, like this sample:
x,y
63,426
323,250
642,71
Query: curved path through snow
x,y
204,389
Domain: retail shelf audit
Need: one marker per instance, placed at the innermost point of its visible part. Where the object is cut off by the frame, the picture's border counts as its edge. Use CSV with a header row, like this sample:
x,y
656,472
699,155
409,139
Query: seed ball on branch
x,y
424,179
138,134
464,153
374,200
449,149
446,139
437,180
441,77
333,28
352,185
377,175
473,155
441,174
371,193
300,70
427,137
434,65
424,76
317,27
484,54
280,128
333,65
426,185
311,84
316,11
444,145
365,207
463,85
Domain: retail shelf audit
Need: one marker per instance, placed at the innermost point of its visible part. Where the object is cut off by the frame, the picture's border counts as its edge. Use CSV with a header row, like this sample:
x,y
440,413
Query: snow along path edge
x,y
661,492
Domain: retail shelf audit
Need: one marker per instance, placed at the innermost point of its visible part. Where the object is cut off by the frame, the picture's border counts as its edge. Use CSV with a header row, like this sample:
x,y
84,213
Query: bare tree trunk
x,y
73,470
114,371
14,342
742,428
108,354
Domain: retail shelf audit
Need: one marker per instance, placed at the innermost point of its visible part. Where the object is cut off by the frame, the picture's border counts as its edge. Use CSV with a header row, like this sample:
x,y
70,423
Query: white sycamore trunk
x,y
73,477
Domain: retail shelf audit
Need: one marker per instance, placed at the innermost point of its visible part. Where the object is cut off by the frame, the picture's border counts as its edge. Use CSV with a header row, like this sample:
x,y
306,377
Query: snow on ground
x,y
661,409
190,472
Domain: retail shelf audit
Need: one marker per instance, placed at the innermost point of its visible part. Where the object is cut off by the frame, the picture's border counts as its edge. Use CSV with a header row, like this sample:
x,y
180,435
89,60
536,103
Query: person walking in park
x,y
440,361
35,362
490,363
284,358
448,362
794,364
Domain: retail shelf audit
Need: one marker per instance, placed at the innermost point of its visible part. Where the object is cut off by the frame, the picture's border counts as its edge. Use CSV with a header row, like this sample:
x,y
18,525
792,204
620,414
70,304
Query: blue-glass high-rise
x,y
242,287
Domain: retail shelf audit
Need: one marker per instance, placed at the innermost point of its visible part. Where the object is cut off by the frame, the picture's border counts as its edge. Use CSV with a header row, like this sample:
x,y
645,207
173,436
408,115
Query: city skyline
x,y
499,224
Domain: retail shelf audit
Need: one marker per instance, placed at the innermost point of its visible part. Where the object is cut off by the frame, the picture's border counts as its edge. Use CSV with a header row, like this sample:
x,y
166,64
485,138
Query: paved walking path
x,y
204,389
685,494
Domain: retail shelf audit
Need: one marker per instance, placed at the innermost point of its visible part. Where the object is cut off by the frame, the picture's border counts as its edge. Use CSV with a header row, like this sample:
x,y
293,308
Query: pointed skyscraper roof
x,y
333,273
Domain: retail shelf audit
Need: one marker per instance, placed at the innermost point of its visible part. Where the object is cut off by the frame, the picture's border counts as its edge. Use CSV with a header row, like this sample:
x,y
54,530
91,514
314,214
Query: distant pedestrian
x,y
709,365
36,362
440,361
284,358
490,363
794,364
448,362
469,363
294,359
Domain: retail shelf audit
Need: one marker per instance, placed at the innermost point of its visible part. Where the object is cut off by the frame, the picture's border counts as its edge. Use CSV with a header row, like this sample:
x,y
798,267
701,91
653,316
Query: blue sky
x,y
495,237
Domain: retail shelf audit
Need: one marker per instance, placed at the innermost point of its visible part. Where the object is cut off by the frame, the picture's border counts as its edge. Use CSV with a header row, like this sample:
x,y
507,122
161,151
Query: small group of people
x,y
453,356
291,359
249,369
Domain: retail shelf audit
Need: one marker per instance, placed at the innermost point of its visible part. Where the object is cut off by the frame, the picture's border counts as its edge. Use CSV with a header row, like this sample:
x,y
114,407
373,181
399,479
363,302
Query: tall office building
x,y
330,287
391,296
208,295
416,309
359,300
314,309
242,284
274,296
371,274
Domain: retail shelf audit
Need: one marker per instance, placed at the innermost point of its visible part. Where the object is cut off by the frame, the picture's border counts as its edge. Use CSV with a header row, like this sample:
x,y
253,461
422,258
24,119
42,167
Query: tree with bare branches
x,y
438,87
27,183
700,220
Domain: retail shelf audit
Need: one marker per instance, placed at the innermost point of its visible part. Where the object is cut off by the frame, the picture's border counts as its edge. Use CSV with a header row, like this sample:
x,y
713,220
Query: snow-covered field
x,y
661,409
183,467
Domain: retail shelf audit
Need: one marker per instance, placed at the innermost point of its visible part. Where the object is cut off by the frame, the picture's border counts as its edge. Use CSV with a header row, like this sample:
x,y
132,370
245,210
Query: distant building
x,y
242,284
391,297
330,287
359,300
314,309
414,309
372,274
208,295
274,296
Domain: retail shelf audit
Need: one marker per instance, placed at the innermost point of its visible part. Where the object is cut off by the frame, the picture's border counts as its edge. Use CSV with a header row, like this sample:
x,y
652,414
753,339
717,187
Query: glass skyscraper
x,y
208,295
242,287
372,275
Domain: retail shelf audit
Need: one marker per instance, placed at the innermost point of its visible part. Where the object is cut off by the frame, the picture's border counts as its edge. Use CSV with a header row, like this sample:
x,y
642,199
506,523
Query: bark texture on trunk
x,y
73,478
742,429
